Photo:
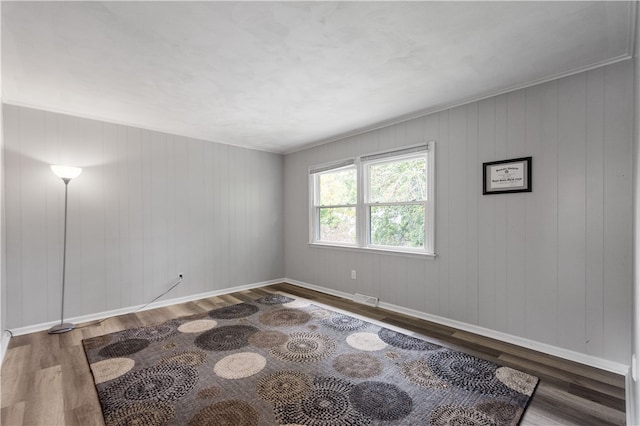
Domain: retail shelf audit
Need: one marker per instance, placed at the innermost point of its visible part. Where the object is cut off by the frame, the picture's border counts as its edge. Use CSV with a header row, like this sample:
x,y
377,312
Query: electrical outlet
x,y
353,274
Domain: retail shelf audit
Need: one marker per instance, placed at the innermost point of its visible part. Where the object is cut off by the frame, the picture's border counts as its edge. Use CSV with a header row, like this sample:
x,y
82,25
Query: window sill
x,y
407,253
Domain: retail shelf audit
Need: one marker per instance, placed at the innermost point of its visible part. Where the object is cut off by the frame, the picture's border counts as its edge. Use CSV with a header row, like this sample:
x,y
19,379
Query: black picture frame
x,y
507,176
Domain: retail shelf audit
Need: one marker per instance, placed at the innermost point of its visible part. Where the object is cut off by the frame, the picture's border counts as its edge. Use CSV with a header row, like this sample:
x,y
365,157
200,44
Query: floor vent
x,y
366,300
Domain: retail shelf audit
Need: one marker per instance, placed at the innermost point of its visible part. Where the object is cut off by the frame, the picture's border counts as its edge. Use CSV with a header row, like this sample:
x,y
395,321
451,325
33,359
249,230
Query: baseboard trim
x,y
630,398
121,311
567,354
590,360
4,344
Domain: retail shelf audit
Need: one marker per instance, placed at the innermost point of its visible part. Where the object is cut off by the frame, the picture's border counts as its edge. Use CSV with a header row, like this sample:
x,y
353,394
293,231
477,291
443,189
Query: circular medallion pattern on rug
x,y
467,372
155,413
225,338
284,317
502,412
402,341
170,345
419,373
517,380
164,382
305,347
283,387
268,338
123,347
197,326
240,365
366,341
296,304
209,393
327,404
320,314
153,333
111,368
357,365
241,310
342,322
455,415
382,401
192,358
274,299
226,413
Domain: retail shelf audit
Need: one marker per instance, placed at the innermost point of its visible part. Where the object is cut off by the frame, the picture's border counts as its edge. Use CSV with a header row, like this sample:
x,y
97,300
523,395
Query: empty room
x,y
319,213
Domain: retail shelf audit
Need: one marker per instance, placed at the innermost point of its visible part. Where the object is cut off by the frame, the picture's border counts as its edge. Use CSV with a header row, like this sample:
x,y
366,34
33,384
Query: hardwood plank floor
x,y
46,379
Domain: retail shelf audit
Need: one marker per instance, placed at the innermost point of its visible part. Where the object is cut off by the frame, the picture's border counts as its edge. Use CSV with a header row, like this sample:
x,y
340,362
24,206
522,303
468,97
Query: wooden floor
x,y
46,379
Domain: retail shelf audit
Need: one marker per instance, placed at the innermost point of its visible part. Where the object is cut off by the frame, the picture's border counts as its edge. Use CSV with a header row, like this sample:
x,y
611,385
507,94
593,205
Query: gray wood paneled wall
x,y
146,207
633,391
554,265
3,246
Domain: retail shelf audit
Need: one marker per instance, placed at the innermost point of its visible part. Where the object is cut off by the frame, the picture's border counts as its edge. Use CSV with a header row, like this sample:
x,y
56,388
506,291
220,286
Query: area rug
x,y
285,361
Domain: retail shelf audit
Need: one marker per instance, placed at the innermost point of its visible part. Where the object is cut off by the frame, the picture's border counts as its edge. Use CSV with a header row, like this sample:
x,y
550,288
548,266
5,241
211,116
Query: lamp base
x,y
61,328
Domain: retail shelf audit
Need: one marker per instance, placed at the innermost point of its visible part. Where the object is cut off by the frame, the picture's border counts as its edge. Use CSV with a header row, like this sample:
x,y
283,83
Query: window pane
x,y
401,226
338,224
403,180
338,187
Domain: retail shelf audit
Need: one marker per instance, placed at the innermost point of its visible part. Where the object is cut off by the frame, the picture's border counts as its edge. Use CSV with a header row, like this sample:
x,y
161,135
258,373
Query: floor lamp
x,y
66,174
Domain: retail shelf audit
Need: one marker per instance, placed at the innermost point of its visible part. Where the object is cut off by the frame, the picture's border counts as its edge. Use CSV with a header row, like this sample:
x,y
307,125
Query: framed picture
x,y
501,177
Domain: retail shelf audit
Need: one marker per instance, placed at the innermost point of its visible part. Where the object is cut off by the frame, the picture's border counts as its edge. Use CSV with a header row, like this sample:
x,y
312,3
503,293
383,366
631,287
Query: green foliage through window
x,y
392,186
338,187
338,224
337,195
381,200
398,181
401,226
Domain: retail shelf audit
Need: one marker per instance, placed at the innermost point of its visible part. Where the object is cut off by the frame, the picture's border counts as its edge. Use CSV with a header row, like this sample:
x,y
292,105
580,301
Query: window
x,y
335,208
382,201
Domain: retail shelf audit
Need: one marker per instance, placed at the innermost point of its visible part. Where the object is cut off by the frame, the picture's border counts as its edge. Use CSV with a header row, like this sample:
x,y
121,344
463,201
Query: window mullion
x,y
361,214
316,220
334,206
314,223
396,203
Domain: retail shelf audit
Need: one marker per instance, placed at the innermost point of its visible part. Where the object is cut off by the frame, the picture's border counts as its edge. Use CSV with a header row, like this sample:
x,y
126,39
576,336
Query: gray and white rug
x,y
285,361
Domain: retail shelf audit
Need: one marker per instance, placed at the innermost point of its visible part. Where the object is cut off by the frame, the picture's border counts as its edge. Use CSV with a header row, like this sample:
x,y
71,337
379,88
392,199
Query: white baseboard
x,y
590,360
630,399
4,344
603,364
567,354
115,312
321,289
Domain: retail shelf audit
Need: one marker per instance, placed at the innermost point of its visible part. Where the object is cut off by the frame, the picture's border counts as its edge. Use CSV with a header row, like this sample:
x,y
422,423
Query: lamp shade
x,y
66,172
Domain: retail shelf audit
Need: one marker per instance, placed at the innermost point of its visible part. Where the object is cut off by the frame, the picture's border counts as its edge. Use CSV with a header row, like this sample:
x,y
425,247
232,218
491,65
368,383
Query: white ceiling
x,y
277,76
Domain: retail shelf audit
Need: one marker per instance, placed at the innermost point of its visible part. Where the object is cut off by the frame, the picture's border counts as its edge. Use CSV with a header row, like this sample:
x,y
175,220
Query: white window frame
x,y
363,223
314,191
367,204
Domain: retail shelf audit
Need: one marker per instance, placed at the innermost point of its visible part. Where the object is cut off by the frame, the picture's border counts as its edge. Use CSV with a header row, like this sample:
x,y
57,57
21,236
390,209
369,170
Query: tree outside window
x,y
382,201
